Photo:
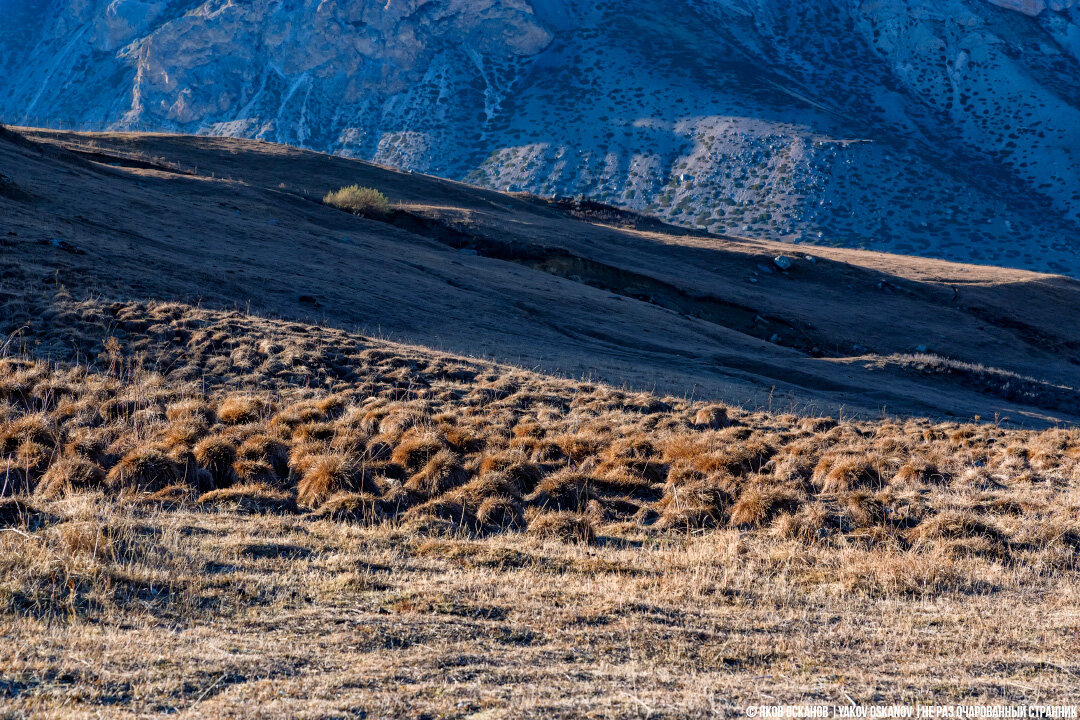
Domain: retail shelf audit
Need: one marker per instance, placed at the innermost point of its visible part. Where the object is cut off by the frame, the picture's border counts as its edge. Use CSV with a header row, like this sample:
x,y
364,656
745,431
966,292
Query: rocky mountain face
x,y
946,128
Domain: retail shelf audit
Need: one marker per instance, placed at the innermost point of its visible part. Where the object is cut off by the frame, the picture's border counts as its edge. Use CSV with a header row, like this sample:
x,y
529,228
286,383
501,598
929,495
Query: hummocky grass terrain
x,y
224,511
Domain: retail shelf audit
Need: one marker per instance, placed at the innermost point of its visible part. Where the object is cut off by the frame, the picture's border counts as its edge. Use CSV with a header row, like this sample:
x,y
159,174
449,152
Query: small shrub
x,y
364,201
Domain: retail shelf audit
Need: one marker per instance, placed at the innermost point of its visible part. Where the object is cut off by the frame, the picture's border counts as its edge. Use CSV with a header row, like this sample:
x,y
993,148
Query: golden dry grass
x,y
355,525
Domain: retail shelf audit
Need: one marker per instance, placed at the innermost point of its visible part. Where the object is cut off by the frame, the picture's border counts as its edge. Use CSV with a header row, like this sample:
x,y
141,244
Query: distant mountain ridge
x,y
946,128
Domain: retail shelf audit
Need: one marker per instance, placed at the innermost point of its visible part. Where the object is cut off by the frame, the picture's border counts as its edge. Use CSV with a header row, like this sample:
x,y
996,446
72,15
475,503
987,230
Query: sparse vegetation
x,y
364,201
454,446
217,514
277,471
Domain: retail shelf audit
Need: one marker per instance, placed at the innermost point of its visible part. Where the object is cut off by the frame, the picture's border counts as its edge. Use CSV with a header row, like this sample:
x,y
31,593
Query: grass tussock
x,y
376,433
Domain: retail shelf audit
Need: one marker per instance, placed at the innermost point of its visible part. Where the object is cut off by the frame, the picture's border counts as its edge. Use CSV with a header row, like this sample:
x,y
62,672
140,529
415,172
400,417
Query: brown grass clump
x,y
567,527
565,490
216,455
70,473
759,503
255,498
416,448
442,472
147,469
239,409
329,474
841,472
354,507
712,417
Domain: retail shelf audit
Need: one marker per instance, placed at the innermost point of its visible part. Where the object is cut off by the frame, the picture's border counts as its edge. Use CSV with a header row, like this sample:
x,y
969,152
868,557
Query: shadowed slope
x,y
567,288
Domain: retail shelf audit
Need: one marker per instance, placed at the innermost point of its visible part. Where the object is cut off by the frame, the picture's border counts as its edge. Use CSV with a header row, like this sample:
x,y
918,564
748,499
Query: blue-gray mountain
x,y
946,128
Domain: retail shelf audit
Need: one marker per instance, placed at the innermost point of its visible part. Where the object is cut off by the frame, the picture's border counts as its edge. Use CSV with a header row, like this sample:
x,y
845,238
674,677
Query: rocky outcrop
x,y
1034,7
948,128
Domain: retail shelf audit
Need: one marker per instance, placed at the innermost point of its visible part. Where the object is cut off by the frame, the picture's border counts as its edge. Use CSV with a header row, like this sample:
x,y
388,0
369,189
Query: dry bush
x,y
357,200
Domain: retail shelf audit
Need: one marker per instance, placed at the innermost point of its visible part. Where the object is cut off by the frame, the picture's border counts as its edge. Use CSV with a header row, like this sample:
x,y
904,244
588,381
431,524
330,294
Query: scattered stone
x,y
765,269
67,247
783,262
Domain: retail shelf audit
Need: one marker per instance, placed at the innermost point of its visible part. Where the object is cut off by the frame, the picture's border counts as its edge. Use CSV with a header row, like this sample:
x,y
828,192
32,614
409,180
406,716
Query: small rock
x,y
920,348
775,339
765,269
67,247
810,258
782,261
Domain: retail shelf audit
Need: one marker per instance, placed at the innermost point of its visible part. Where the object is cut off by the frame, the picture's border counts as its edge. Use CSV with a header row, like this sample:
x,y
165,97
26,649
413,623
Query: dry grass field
x,y
221,512
239,513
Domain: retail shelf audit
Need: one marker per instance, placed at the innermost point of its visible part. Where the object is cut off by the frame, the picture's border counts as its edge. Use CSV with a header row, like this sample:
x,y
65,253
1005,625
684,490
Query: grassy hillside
x,y
574,289
230,512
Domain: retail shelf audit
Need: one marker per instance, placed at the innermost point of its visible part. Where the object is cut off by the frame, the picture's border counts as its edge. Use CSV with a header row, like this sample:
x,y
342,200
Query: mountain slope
x,y
577,289
943,129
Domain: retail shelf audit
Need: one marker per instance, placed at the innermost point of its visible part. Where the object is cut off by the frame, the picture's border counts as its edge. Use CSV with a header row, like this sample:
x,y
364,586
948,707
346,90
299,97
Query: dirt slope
x,y
569,288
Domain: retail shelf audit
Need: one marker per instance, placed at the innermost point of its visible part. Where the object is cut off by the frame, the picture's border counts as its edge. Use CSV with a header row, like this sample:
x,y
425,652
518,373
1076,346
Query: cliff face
x,y
1034,7
937,127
